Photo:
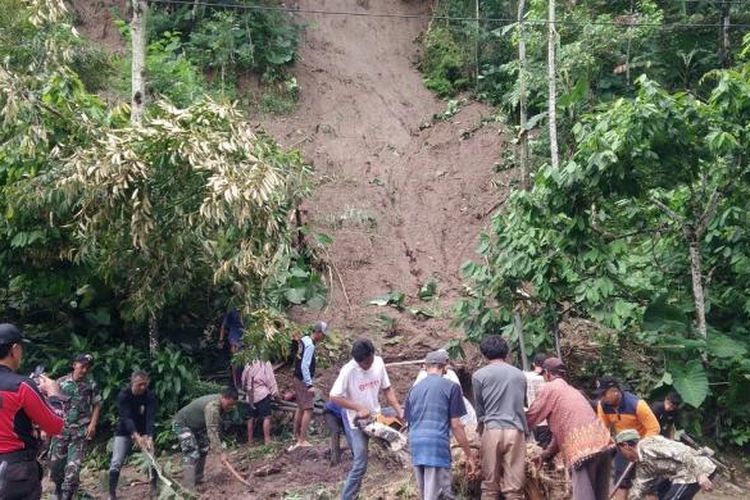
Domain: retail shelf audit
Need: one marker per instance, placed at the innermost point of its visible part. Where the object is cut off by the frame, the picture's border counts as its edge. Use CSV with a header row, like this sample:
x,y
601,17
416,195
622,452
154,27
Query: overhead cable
x,y
628,21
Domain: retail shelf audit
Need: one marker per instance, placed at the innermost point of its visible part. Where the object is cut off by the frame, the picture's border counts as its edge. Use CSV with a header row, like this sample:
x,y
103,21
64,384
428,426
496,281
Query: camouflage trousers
x,y
194,445
67,452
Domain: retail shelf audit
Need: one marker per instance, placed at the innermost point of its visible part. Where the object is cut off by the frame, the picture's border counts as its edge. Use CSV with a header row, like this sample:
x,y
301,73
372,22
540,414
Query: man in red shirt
x,y
23,406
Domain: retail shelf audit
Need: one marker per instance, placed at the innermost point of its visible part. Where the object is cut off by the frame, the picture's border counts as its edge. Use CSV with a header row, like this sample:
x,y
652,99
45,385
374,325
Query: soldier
x,y
660,459
197,428
68,450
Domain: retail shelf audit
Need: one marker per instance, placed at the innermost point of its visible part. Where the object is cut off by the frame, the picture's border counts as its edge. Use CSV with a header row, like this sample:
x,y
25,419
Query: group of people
x,y
62,414
510,404
510,408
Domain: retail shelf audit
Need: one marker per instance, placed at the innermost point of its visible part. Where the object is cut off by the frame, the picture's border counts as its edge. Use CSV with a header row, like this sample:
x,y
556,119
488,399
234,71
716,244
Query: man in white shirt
x,y
534,382
356,389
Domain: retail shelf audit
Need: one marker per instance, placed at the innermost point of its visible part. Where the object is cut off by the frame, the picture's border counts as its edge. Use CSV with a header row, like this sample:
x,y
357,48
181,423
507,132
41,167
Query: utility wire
x,y
393,15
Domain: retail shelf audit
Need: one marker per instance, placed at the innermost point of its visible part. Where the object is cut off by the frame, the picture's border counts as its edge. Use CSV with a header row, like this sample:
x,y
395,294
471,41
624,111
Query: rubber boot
x,y
199,467
153,490
114,478
188,475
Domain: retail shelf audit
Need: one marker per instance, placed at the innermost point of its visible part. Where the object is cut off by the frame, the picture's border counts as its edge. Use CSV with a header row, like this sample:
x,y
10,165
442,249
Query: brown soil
x,y
403,205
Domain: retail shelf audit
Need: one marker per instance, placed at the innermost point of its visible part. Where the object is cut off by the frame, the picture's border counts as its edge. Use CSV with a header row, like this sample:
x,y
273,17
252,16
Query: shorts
x,y
262,408
305,398
235,339
621,463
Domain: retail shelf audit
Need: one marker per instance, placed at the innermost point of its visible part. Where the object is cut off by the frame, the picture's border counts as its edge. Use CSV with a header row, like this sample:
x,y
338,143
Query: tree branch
x,y
667,210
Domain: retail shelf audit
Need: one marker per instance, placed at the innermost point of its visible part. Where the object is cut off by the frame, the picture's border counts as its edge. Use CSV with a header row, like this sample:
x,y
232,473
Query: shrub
x,y
444,64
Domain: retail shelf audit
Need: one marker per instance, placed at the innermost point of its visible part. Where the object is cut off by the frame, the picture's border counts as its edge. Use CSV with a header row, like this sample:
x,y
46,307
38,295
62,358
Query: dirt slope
x,y
402,204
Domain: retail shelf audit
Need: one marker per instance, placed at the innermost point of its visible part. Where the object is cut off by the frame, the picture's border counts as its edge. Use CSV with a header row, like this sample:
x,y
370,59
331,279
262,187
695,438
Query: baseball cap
x,y
554,365
439,357
9,334
627,435
83,358
321,326
606,382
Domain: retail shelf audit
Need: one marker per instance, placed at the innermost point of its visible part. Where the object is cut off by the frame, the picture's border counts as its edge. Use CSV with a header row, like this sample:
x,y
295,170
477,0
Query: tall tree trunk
x,y
518,326
138,69
524,136
153,334
552,76
696,273
630,45
476,45
724,33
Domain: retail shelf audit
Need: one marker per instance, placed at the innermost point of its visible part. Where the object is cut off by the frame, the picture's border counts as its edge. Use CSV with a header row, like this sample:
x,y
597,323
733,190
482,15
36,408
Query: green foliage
x,y
395,299
171,74
611,234
279,97
104,226
231,42
444,64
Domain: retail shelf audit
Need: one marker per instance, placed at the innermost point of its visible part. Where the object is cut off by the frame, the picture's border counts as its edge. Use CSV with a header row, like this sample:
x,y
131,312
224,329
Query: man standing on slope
x,y
304,389
621,410
136,406
577,431
433,408
197,428
23,406
68,450
356,389
499,394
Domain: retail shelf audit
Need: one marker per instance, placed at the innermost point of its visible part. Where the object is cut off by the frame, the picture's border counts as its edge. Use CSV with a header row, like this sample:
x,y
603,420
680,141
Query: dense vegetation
x,y
131,241
643,227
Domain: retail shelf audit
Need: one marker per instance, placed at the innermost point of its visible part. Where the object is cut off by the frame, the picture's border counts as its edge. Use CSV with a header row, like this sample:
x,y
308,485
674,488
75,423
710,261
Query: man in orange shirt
x,y
621,410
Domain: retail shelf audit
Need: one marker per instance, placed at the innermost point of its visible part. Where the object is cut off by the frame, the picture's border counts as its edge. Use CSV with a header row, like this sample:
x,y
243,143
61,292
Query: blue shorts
x,y
235,338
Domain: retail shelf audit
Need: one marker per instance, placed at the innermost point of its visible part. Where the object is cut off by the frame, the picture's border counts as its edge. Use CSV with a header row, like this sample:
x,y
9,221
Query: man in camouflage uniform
x,y
660,459
68,450
197,428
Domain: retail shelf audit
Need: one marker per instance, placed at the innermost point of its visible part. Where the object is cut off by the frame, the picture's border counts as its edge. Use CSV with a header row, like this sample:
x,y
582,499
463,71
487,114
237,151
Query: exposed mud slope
x,y
402,204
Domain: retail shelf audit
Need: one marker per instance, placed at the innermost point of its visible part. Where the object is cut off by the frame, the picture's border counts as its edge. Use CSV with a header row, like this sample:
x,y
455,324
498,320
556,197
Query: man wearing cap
x,y
621,410
68,450
659,459
577,432
304,388
23,405
433,409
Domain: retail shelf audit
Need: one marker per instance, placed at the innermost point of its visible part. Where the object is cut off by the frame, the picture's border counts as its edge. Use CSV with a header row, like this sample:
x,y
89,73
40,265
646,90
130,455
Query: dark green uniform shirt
x,y
82,396
203,415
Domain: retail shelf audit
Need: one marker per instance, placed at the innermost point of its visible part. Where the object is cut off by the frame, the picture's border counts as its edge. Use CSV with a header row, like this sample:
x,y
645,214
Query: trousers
x,y
67,452
20,480
503,454
435,483
590,481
